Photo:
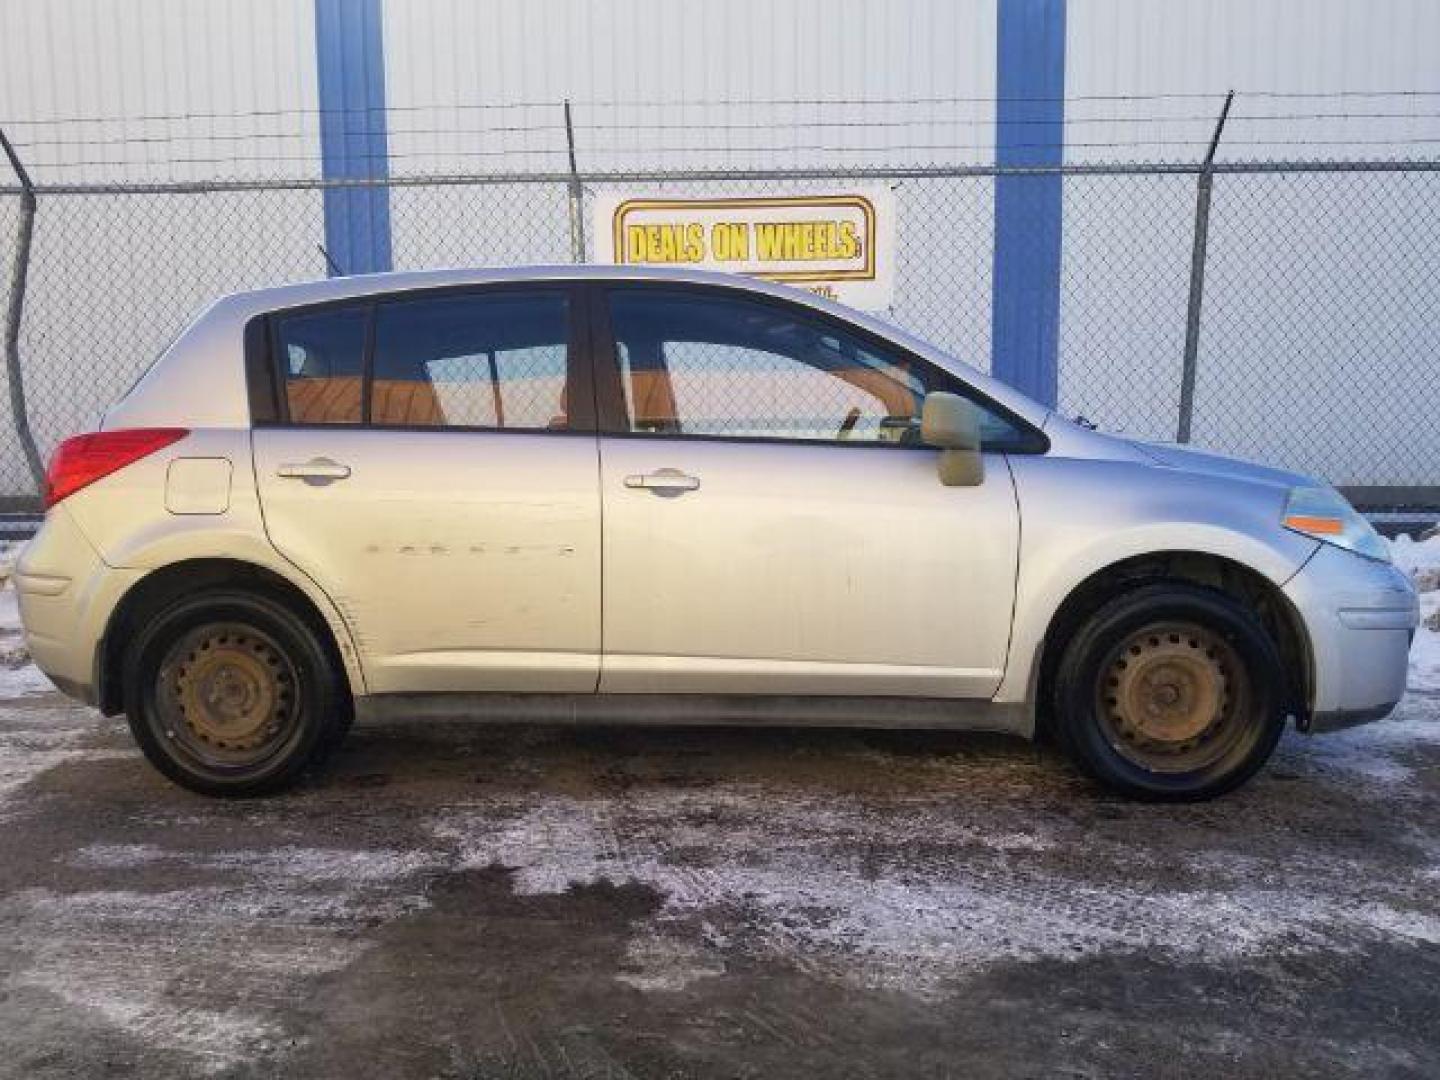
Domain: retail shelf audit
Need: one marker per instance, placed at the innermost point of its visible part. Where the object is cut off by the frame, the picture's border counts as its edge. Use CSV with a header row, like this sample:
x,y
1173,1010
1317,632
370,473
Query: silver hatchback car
x,y
670,496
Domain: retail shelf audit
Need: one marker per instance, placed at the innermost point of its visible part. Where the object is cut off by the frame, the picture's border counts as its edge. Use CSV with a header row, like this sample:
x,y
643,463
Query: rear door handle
x,y
666,483
315,471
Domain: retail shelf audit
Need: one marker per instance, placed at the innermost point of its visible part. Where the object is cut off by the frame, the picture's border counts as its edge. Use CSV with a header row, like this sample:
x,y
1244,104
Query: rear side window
x,y
491,361
322,359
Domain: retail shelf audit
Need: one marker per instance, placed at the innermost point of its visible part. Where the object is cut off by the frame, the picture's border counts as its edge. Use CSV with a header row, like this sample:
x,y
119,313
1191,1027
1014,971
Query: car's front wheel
x,y
232,693
1171,691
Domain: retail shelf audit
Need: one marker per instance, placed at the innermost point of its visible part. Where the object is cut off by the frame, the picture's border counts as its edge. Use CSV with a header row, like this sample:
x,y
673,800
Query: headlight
x,y
1323,513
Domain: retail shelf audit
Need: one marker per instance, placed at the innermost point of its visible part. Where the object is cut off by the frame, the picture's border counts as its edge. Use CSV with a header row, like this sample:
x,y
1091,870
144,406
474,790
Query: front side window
x,y
695,363
322,360
492,361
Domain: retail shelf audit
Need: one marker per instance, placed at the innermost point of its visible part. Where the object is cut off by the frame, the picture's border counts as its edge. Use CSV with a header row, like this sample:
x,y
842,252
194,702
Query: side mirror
x,y
952,423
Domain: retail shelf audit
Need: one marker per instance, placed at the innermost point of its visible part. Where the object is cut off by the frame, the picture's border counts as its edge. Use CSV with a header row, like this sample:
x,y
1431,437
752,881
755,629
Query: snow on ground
x,y
966,886
119,953
18,677
1421,560
9,553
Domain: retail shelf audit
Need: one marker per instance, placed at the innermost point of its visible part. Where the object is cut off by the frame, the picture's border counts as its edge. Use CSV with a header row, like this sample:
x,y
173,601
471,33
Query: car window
x,y
322,359
695,363
494,361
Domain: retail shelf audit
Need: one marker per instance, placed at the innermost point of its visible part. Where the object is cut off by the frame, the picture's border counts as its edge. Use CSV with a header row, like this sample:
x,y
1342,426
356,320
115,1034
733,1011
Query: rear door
x,y
434,470
772,524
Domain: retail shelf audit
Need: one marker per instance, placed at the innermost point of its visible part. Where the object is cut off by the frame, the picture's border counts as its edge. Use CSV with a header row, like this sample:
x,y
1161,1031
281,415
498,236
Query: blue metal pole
x,y
1029,131
350,58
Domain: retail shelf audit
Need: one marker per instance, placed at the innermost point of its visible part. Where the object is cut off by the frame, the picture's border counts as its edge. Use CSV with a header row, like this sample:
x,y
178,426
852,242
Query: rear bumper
x,y
1360,616
66,593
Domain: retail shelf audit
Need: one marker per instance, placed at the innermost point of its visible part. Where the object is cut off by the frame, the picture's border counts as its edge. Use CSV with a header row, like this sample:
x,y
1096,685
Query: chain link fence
x,y
1315,349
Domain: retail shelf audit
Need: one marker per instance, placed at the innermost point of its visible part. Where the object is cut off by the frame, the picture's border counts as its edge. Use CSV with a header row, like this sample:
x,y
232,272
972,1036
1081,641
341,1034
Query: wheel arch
x,y
162,584
1282,622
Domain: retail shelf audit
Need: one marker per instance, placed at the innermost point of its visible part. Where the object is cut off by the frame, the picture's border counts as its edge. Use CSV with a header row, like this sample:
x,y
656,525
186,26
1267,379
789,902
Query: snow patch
x,y
1400,923
569,833
10,551
1375,752
319,865
18,676
662,963
26,754
217,1039
9,606
927,914
324,864
1421,560
118,856
164,966
23,681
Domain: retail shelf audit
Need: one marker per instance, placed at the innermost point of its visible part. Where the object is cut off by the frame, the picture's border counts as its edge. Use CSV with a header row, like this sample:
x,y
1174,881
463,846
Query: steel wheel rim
x,y
228,696
1173,697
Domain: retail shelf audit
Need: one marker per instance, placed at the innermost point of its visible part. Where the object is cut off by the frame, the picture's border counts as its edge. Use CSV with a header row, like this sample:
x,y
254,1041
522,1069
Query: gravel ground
x,y
453,901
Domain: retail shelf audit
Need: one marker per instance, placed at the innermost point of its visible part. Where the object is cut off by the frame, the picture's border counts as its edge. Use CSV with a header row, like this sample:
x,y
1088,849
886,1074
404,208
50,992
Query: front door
x,y
771,524
430,475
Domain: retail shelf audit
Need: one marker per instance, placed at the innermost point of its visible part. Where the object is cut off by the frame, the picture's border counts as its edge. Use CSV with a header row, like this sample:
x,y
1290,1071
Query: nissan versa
x,y
674,496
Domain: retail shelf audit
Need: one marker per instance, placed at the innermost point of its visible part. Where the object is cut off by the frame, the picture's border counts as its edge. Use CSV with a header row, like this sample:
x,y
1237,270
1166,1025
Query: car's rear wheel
x,y
1171,691
232,693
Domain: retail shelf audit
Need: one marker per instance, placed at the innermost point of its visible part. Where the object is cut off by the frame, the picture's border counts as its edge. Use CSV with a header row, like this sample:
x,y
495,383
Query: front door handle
x,y
667,483
318,470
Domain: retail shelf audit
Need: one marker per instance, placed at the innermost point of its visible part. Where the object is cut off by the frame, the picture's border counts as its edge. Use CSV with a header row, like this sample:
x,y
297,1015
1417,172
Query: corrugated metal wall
x,y
712,83
1120,54
233,82
160,89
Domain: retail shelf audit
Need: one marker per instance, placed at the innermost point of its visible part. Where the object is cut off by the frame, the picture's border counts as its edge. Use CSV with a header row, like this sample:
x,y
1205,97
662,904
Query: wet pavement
x,y
471,901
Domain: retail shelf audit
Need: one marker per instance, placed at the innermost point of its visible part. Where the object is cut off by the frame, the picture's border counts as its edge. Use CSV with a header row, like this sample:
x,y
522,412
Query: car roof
x,y
340,288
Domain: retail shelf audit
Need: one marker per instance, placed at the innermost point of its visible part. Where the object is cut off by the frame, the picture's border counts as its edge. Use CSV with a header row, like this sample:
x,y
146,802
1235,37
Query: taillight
x,y
80,461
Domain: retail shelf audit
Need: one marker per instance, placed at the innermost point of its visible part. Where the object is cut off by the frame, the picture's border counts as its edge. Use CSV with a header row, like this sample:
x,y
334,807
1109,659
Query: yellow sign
x,y
839,245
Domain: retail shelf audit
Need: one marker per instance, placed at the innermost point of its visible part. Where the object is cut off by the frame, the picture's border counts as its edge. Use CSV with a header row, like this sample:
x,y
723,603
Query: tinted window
x,y
704,364
322,358
495,361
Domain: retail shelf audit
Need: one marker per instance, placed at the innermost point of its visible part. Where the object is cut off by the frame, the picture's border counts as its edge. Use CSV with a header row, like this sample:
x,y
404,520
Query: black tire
x,y
230,692
1159,712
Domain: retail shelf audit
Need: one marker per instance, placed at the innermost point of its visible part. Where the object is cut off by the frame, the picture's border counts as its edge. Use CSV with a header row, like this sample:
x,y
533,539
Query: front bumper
x,y
1340,719
1360,616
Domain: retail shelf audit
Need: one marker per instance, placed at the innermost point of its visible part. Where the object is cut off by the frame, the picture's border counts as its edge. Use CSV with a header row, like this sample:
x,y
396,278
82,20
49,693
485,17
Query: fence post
x,y
14,310
1203,185
577,201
